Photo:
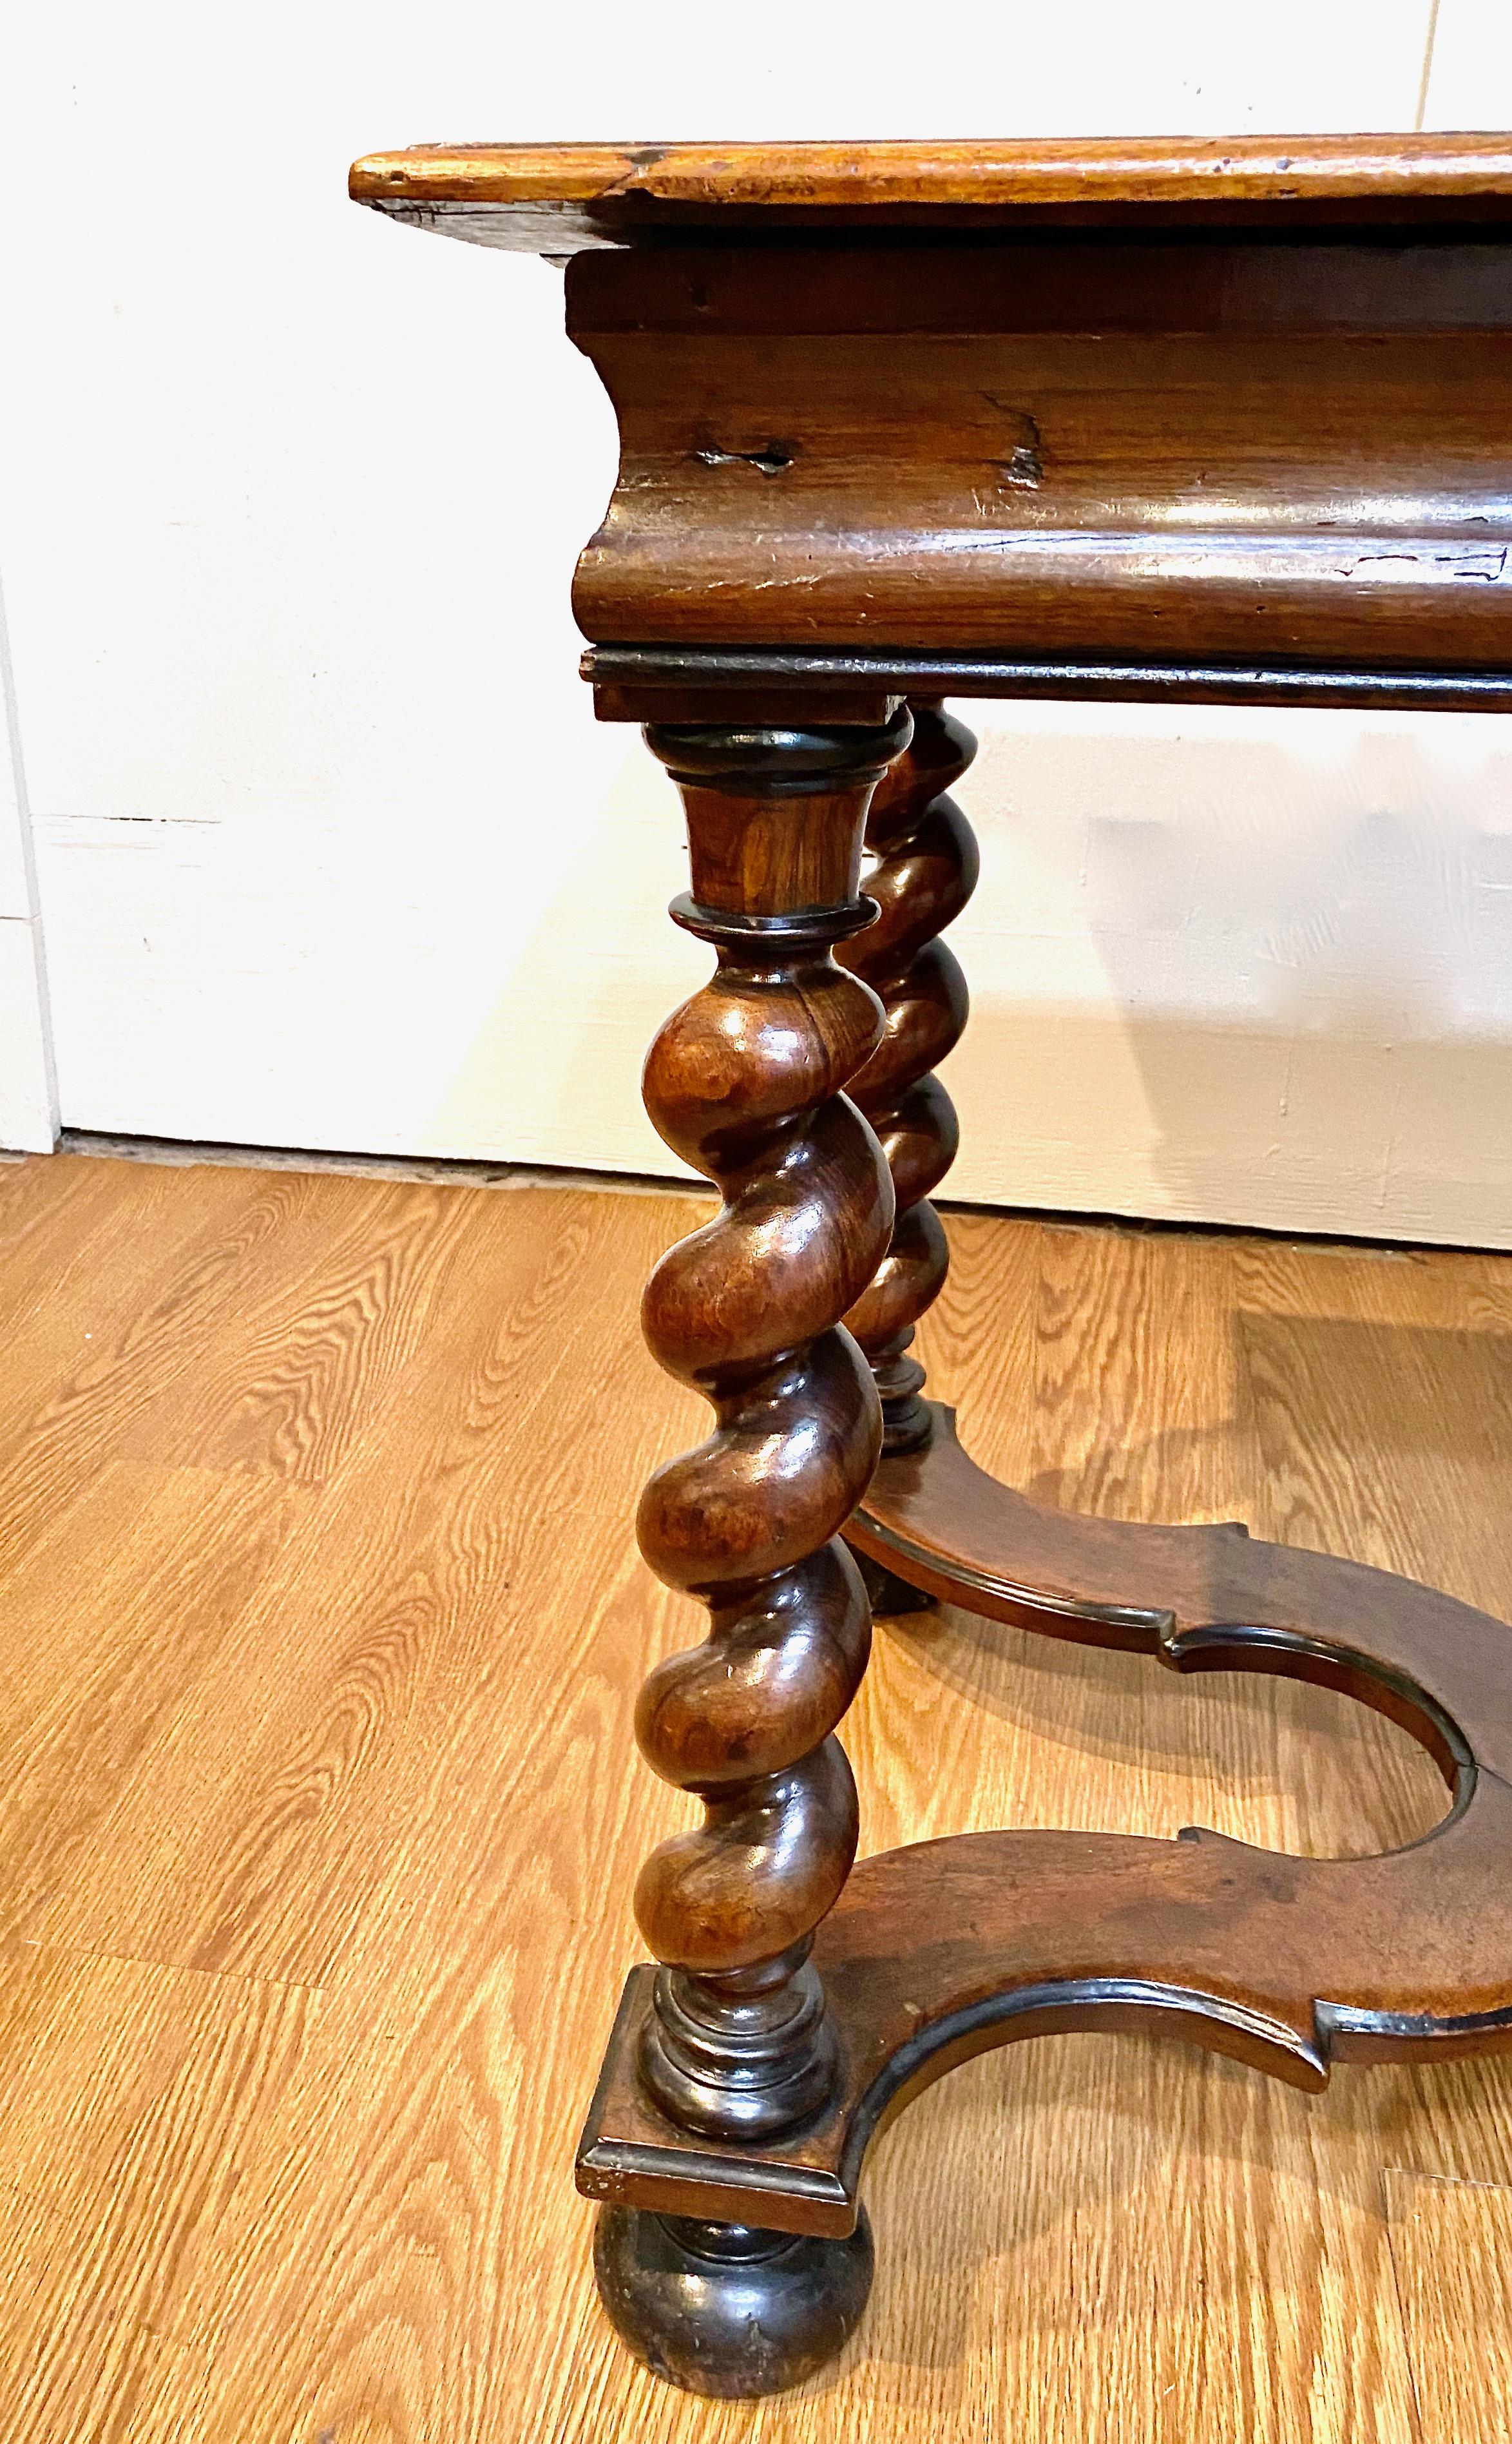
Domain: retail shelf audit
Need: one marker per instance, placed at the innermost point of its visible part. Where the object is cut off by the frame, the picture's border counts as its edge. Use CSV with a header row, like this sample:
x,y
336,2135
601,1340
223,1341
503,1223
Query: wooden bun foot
x,y
723,2308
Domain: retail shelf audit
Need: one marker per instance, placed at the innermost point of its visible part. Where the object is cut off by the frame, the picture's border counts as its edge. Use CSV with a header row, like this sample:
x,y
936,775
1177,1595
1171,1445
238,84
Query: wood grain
x,y
746,1082
318,2186
1452,2253
1058,448
115,2171
921,871
554,197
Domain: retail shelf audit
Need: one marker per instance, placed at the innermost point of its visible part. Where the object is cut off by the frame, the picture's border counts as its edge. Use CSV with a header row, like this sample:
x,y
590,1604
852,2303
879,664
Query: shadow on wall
x,y
1224,966
1249,969
553,1074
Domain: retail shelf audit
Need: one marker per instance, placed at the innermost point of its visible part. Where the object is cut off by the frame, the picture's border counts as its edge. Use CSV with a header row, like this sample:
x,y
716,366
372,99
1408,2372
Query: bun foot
x,y
725,2310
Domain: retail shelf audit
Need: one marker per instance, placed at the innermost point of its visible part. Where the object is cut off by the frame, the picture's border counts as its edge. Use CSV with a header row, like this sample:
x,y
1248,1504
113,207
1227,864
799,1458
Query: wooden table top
x,y
1073,409
562,197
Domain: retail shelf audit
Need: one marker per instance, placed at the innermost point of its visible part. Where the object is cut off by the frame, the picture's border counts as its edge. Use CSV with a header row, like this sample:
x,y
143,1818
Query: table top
x,y
558,198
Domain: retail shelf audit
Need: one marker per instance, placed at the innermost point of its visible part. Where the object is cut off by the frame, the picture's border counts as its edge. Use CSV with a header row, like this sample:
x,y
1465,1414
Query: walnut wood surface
x,y
745,1083
650,682
937,1952
553,197
1278,454
1135,450
1030,443
322,1627
922,871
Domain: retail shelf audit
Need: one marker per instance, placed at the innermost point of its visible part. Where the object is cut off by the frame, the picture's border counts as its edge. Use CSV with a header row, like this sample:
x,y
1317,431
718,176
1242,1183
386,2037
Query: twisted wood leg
x,y
923,871
745,1083
744,2079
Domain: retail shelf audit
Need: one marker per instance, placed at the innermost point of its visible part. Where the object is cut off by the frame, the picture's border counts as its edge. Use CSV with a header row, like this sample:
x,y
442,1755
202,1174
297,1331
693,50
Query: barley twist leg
x,y
923,871
746,1082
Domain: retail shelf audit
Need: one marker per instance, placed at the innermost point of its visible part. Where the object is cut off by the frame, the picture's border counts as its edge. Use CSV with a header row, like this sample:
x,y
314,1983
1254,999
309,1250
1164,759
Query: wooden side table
x,y
1211,421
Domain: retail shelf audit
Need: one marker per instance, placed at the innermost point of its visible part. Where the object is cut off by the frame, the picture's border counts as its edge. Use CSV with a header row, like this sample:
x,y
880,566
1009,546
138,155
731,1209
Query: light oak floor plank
x,y
104,1635
322,1630
114,2173
1451,2249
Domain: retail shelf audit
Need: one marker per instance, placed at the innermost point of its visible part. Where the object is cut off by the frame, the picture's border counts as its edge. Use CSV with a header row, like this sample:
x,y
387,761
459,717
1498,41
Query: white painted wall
x,y
28,1100
1470,77
330,850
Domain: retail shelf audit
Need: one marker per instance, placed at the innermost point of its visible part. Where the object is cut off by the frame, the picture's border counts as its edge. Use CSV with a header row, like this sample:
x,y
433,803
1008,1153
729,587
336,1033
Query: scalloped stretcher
x,y
945,1949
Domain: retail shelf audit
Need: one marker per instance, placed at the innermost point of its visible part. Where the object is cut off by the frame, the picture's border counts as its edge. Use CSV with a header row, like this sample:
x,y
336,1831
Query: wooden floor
x,y
320,1623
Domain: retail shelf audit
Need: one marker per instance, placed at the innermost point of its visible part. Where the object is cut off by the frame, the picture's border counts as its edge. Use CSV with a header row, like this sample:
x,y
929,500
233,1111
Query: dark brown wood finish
x,y
937,1952
1212,421
1062,448
736,2044
650,682
745,1083
923,871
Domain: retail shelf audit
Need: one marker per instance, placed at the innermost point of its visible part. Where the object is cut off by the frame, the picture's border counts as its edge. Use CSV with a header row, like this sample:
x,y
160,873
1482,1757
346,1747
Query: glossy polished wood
x,y
923,871
1112,449
558,197
745,1083
634,682
937,1952
1066,447
1221,419
729,2310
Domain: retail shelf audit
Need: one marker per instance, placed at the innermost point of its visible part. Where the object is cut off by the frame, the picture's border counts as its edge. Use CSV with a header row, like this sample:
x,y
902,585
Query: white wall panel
x,y
1225,965
1469,81
1239,967
15,889
330,850
29,1108
27,1121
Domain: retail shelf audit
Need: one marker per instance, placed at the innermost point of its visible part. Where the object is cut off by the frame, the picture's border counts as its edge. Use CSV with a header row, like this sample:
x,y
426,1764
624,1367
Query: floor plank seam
x,y
252,1978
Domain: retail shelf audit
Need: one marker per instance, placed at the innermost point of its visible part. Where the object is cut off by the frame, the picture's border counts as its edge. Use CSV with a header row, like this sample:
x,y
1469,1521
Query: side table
x,y
1209,421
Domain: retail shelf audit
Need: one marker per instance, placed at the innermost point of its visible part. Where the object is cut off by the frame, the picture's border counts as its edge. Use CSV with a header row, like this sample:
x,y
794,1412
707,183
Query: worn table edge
x,y
831,176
